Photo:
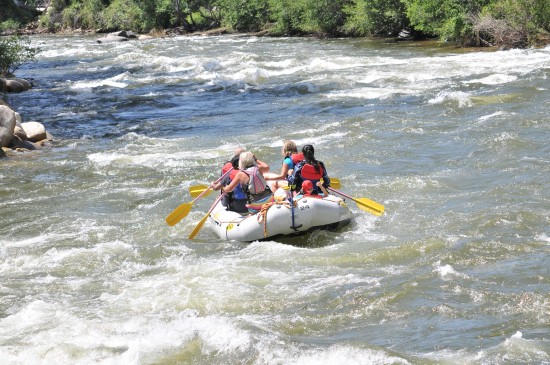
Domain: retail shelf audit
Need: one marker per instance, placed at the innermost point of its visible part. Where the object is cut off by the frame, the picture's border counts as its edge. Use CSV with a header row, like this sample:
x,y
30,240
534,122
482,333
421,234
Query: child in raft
x,y
307,190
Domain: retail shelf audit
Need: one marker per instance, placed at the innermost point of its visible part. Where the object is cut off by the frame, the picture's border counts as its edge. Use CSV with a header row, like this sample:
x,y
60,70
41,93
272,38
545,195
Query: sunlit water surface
x,y
455,145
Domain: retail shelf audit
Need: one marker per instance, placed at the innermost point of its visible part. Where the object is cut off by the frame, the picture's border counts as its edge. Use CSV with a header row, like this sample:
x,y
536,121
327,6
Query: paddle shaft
x,y
183,209
203,220
339,192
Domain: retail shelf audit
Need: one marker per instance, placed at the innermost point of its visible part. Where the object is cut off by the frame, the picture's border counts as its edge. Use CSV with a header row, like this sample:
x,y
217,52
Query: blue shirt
x,y
288,161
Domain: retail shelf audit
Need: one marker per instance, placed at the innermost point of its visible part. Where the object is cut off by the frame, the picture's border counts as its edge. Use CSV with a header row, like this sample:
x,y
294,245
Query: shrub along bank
x,y
504,23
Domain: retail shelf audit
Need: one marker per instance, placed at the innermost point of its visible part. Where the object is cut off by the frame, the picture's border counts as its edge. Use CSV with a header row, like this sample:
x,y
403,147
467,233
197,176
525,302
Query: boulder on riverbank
x,y
14,133
19,136
17,85
35,131
121,36
14,85
7,125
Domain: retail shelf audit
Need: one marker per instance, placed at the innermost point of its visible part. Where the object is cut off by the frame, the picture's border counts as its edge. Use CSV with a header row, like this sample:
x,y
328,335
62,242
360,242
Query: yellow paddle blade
x,y
334,182
369,206
178,214
199,226
197,190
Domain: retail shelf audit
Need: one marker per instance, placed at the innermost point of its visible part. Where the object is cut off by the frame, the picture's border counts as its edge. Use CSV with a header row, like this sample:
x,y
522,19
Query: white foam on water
x,y
114,81
252,75
342,354
318,285
269,249
281,64
463,99
55,336
69,52
319,141
495,79
315,141
543,237
491,116
516,349
368,93
513,350
320,65
37,241
159,153
448,272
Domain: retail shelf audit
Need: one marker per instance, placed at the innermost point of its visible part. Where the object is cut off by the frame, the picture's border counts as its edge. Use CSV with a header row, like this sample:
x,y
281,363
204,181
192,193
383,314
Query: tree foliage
x,y
14,51
376,17
244,15
509,23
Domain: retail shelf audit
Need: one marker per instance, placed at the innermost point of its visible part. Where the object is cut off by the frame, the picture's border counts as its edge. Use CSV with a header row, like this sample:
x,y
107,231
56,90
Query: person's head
x,y
309,156
246,160
235,162
307,187
238,151
309,152
289,147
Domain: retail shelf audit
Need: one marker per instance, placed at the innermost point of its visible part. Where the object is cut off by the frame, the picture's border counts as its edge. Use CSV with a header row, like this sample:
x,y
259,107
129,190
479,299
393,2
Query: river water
x,y
454,143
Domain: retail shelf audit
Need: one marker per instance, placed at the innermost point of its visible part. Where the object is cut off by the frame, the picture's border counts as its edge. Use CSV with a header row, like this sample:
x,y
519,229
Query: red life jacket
x,y
226,167
308,173
297,157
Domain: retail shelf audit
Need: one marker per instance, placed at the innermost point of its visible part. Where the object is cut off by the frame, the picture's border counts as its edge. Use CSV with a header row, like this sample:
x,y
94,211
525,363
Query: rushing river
x,y
454,143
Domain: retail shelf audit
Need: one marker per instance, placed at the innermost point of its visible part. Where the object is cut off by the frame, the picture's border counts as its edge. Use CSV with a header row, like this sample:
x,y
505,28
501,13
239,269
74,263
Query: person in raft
x,y
252,181
309,169
236,200
307,190
290,158
234,160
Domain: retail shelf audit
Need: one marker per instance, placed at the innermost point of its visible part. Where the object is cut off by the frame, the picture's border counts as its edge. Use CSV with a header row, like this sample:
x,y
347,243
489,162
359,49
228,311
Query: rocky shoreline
x,y
16,135
19,136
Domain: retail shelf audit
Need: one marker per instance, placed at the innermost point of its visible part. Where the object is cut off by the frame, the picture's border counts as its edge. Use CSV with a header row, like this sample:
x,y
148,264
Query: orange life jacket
x,y
297,157
226,167
308,173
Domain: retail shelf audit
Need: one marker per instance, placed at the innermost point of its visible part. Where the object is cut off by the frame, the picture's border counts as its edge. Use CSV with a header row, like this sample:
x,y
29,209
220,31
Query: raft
x,y
279,219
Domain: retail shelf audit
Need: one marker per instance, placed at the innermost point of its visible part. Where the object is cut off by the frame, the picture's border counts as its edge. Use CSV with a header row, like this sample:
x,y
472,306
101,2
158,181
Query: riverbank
x,y
16,135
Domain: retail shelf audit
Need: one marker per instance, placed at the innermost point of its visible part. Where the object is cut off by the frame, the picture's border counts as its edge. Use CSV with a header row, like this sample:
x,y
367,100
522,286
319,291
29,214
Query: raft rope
x,y
262,214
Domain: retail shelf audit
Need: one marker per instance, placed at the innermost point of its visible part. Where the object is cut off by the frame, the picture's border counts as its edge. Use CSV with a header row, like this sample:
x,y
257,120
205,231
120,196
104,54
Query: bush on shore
x,y
504,23
14,51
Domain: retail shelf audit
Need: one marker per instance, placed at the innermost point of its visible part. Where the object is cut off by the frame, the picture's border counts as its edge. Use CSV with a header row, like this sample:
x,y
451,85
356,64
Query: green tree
x,y
376,17
288,16
245,15
450,20
86,15
327,16
14,51
514,23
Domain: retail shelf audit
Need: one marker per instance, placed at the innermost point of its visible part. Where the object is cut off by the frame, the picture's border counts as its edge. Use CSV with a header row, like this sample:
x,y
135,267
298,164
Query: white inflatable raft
x,y
310,213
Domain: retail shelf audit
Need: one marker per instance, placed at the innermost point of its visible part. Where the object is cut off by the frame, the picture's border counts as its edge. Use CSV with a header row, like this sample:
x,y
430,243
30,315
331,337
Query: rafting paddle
x,y
183,210
363,203
201,223
196,190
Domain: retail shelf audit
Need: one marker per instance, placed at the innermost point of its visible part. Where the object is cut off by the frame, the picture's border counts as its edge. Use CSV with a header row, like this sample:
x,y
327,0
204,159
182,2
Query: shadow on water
x,y
315,239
